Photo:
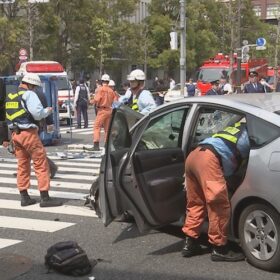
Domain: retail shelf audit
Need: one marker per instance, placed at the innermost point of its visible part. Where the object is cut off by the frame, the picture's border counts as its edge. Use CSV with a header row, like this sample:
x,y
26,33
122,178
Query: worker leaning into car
x,y
141,100
23,112
103,99
205,169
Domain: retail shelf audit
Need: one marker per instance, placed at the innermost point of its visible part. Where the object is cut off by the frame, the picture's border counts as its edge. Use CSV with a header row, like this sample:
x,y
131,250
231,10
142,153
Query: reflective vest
x,y
134,105
15,112
230,136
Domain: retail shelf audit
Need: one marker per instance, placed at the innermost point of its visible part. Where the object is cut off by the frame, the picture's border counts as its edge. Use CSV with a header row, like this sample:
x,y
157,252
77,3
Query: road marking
x,y
32,192
8,242
64,209
72,169
53,184
32,224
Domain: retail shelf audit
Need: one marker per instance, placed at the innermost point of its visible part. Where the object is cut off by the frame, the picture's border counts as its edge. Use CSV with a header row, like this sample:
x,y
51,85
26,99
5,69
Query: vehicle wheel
x,y
259,233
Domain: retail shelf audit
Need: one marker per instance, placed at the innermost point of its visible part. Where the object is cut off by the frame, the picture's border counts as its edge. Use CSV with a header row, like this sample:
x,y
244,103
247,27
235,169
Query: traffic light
x,y
174,40
7,1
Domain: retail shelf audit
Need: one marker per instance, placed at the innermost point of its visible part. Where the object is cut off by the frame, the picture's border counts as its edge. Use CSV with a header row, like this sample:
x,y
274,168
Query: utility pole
x,y
30,29
231,41
238,76
276,56
183,45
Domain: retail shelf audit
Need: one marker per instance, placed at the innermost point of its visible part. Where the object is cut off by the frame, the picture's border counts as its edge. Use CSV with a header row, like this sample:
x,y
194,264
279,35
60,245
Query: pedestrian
x,y
224,86
103,100
205,170
191,88
141,99
253,85
23,111
43,126
172,83
160,91
81,101
267,87
214,88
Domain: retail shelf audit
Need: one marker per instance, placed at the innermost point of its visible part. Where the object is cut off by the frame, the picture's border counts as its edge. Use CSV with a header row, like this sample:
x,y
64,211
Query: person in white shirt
x,y
171,83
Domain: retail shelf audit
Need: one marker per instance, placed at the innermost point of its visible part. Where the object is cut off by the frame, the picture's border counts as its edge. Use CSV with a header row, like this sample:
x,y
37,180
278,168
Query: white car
x,y
175,93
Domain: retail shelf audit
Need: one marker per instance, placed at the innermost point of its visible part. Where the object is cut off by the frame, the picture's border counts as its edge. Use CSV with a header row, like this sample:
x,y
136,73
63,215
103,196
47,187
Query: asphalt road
x,y
120,250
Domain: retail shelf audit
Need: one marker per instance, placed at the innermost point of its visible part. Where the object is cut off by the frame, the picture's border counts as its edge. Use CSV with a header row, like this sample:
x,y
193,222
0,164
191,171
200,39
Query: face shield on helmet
x,y
32,79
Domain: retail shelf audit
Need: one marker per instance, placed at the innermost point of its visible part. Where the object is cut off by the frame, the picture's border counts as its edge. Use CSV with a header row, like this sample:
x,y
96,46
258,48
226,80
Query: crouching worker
x,y
205,169
23,112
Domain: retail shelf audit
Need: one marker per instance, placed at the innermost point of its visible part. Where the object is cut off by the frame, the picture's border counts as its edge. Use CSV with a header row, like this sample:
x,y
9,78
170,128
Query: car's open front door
x,y
118,144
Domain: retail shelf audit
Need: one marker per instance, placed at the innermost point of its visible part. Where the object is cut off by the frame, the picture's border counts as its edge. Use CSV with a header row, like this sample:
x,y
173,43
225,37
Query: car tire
x,y
259,233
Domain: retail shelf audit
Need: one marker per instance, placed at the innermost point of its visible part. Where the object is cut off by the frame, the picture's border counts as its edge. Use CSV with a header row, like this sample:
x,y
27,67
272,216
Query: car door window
x,y
164,132
211,121
261,132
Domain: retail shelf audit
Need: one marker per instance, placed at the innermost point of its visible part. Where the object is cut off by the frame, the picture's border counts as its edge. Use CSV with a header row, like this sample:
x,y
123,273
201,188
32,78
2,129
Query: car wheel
x,y
259,233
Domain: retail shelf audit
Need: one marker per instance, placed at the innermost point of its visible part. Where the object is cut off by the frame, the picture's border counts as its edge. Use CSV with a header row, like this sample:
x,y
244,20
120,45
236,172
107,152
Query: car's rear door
x,y
118,145
151,177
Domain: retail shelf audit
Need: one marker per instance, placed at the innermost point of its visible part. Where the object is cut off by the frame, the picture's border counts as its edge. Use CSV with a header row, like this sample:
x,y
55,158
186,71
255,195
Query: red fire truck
x,y
219,66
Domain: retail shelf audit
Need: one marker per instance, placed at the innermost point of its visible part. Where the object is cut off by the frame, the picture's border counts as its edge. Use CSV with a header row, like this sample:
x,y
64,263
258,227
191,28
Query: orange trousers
x,y
28,146
206,194
102,120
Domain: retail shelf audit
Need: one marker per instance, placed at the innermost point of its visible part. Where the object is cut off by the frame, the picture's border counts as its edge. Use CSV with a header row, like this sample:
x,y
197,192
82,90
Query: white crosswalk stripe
x,y
71,183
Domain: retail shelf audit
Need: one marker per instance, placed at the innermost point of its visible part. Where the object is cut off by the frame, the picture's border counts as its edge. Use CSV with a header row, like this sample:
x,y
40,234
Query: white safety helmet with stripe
x,y
136,75
105,78
32,79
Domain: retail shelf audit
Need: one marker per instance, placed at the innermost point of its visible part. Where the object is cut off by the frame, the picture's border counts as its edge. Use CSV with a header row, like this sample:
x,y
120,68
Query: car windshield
x,y
63,83
212,74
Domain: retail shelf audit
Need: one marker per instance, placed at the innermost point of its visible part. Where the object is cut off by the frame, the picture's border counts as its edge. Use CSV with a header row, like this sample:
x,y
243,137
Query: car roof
x,y
268,101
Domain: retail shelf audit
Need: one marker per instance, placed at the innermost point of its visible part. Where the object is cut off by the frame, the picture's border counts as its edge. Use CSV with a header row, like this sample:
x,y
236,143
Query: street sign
x,y
260,42
245,42
22,52
22,57
7,1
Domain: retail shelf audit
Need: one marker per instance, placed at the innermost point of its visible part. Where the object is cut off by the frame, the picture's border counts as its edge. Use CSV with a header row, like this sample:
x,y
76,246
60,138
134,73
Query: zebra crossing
x,y
71,184
80,131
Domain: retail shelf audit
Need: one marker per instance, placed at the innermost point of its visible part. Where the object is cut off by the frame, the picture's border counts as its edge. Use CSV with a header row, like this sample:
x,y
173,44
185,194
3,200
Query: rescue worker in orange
x,y
24,110
103,100
205,169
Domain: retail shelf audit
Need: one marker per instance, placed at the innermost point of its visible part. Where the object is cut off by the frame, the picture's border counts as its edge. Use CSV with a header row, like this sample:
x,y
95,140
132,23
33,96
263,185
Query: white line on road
x,y
32,192
54,184
64,209
8,242
32,224
72,169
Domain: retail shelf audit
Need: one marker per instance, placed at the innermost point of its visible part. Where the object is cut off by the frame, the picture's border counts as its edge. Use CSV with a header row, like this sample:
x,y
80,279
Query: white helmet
x,y
105,77
136,75
111,83
32,79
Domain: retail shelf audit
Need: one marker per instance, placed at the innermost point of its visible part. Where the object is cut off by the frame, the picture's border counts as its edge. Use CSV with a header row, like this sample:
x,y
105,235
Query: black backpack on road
x,y
68,258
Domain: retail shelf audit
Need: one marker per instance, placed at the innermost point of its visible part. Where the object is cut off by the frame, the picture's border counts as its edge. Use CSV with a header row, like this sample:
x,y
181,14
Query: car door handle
x,y
174,158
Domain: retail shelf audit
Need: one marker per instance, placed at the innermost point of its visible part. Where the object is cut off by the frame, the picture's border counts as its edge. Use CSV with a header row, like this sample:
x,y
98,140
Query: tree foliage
x,y
89,35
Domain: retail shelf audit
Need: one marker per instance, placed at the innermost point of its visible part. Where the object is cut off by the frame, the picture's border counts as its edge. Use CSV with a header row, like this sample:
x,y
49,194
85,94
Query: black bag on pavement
x,y
68,258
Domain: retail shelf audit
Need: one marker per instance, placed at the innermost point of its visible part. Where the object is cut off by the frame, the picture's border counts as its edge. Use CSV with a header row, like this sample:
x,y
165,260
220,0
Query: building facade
x,y
268,10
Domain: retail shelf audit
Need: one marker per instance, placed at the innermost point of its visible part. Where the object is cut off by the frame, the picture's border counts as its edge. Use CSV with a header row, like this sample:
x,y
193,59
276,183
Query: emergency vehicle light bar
x,y
44,68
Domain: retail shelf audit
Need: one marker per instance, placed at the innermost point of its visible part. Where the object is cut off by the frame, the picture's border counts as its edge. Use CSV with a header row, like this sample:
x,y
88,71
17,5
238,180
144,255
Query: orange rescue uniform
x,y
103,99
206,194
28,146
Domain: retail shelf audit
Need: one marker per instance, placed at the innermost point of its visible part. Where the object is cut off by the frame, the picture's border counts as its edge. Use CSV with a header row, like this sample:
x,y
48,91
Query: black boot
x,y
191,247
46,201
25,199
225,254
